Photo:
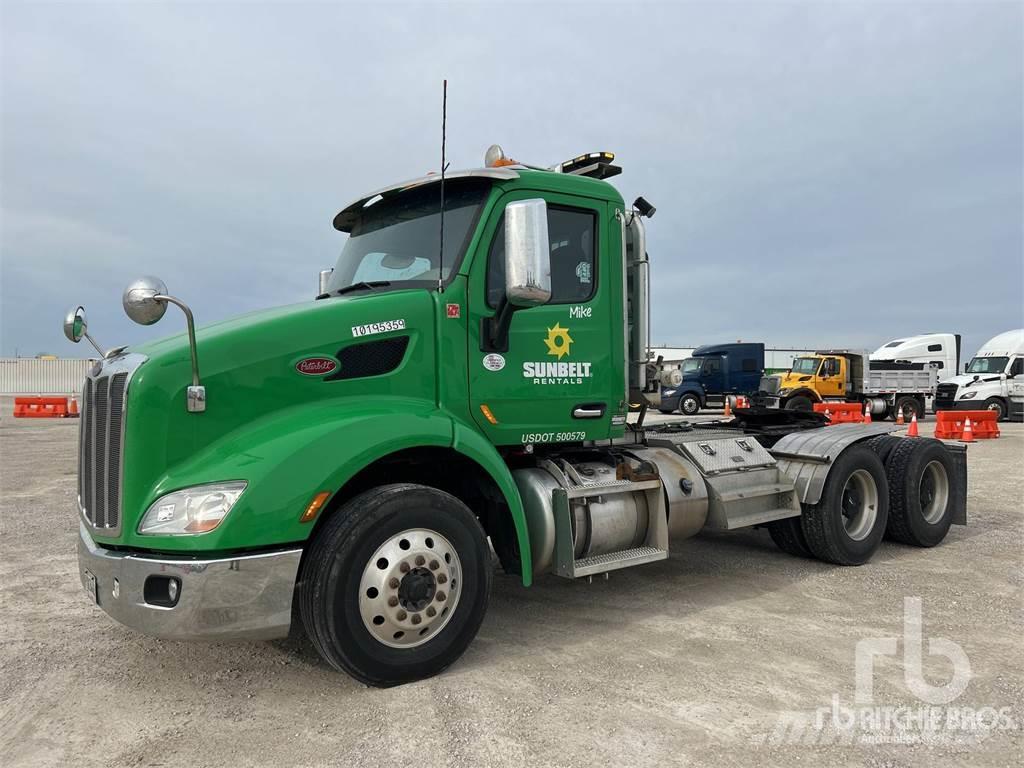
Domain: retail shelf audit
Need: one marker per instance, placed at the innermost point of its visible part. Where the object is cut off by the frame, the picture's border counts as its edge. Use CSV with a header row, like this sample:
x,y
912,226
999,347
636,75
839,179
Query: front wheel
x,y
689,405
997,405
799,403
396,584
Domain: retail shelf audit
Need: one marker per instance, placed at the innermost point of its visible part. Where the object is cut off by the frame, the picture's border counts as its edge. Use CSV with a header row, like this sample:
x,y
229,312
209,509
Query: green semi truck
x,y
458,391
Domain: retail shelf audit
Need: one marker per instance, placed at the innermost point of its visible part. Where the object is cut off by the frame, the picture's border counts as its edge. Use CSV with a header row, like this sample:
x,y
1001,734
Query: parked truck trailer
x,y
353,460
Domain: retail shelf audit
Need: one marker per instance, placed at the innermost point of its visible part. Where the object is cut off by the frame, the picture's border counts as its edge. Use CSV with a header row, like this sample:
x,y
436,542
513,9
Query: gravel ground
x,y
691,661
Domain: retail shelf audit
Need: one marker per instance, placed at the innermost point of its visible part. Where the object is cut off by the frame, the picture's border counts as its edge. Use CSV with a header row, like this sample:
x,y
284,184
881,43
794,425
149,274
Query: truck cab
x,y
986,383
712,374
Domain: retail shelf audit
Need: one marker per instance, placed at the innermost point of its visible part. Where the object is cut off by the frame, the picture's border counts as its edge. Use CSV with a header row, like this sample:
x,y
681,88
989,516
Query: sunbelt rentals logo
x,y
559,344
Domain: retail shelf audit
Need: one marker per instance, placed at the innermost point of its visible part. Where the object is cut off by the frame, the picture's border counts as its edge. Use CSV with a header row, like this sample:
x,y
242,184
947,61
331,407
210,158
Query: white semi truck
x,y
987,383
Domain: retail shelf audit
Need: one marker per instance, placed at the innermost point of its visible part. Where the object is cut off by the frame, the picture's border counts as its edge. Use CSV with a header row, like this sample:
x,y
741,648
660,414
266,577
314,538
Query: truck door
x,y
558,380
832,377
712,376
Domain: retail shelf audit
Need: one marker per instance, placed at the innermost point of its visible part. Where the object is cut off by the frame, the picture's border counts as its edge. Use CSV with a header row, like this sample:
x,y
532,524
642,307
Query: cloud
x,y
833,174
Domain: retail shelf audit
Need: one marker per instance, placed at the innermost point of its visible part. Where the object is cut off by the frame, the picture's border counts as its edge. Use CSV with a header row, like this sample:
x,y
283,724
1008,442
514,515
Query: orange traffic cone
x,y
899,418
728,411
73,406
968,435
867,413
912,432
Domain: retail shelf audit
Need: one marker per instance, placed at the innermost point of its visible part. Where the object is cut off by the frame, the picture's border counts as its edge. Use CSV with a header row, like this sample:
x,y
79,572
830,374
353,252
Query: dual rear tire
x,y
887,487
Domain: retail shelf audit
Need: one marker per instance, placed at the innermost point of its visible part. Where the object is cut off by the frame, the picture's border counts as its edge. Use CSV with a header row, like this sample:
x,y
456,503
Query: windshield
x,y
807,365
691,365
988,365
396,239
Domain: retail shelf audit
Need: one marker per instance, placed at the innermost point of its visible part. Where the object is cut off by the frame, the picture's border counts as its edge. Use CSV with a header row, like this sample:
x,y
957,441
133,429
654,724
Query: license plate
x,y
92,588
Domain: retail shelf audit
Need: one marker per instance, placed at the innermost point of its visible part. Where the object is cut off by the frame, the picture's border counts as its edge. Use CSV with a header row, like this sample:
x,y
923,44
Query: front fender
x,y
292,454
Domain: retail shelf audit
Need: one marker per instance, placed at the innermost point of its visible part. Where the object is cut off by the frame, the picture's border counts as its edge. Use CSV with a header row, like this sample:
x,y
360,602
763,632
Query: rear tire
x,y
921,476
846,526
395,585
799,403
882,445
788,536
909,406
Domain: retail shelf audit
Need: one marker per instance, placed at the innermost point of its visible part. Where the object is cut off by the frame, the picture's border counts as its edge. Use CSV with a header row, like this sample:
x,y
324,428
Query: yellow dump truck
x,y
841,375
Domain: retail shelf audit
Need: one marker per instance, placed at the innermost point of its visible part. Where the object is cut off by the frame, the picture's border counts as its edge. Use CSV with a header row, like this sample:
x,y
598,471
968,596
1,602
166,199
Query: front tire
x,y
996,404
799,403
847,524
395,585
689,405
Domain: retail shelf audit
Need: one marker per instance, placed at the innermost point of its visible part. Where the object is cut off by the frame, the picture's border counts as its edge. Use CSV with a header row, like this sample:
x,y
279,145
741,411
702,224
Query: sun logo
x,y
558,341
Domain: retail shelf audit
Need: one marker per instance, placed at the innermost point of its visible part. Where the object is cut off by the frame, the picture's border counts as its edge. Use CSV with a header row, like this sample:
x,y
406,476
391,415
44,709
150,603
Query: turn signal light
x,y
487,414
314,506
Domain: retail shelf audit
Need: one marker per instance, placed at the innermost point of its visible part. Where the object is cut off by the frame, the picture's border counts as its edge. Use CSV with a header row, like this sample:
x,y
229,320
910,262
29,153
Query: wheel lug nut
x,y
420,559
431,611
401,616
392,601
434,565
441,597
404,567
441,578
394,583
416,618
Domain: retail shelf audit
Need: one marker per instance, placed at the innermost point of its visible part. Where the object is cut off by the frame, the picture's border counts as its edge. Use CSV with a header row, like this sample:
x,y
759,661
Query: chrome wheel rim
x,y
859,504
410,588
690,406
934,492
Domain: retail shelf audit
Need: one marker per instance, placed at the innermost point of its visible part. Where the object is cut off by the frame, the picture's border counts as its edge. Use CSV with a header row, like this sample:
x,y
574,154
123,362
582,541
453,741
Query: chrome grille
x,y
101,437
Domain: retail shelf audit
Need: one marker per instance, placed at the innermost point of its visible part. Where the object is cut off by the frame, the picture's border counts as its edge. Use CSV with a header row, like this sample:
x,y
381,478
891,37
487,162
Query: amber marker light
x,y
487,414
314,506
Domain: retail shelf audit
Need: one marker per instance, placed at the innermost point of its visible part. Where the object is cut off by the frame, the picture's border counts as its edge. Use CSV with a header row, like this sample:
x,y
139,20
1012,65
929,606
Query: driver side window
x,y
572,239
1017,367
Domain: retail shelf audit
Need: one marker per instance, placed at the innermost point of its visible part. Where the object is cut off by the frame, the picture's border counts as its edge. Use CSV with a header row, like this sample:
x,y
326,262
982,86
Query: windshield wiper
x,y
362,285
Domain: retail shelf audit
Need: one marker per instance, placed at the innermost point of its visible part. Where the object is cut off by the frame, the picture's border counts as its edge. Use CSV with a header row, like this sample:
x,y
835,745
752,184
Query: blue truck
x,y
713,373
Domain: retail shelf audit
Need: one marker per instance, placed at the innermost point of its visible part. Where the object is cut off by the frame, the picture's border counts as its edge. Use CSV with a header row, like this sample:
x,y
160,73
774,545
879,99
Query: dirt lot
x,y
692,661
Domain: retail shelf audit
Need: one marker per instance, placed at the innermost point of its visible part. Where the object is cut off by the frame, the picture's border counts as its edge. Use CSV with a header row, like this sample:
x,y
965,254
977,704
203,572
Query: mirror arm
x,y
96,346
191,332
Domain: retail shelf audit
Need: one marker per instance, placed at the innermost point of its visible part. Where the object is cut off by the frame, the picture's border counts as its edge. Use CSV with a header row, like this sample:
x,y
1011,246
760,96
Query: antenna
x,y
444,127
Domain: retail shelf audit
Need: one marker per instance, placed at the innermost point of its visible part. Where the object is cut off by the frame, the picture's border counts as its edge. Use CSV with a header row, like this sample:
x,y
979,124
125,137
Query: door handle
x,y
588,411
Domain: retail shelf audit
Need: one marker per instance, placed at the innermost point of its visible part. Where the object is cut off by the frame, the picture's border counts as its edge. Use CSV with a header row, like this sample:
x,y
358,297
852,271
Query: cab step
x,y
588,566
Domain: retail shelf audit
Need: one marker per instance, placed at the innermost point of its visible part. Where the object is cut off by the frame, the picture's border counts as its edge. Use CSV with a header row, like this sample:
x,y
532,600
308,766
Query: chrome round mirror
x,y
140,302
75,324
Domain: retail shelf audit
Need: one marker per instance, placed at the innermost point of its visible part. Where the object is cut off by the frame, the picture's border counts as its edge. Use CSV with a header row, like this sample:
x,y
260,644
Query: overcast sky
x,y
825,174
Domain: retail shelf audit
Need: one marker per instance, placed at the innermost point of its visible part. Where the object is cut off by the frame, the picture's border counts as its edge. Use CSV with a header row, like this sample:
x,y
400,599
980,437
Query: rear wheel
x,y
689,404
788,536
920,476
799,403
847,524
395,585
910,406
882,445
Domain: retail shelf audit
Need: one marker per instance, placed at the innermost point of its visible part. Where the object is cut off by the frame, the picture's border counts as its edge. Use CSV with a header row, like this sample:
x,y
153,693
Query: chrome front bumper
x,y
244,597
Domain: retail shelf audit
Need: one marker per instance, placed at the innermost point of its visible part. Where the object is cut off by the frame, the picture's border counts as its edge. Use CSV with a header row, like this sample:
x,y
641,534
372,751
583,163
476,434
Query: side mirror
x,y
75,324
76,328
527,254
145,301
140,302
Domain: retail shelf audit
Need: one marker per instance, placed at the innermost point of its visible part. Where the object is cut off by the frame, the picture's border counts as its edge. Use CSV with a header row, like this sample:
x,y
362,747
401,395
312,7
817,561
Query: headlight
x,y
784,391
189,511
968,396
668,393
